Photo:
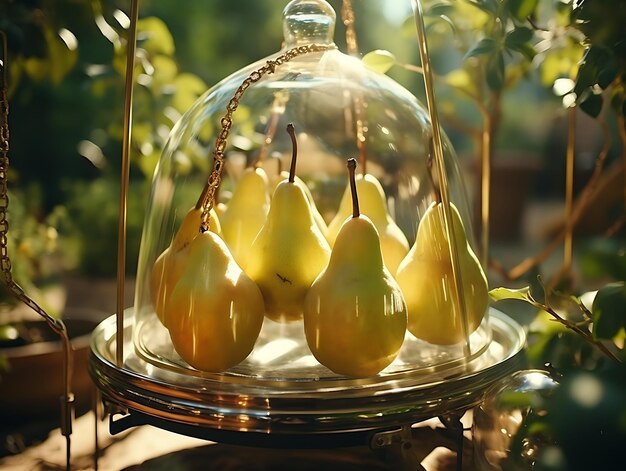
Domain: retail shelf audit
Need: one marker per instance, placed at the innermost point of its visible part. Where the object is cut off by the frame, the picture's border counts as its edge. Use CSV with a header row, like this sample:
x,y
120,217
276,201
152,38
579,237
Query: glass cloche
x,y
285,280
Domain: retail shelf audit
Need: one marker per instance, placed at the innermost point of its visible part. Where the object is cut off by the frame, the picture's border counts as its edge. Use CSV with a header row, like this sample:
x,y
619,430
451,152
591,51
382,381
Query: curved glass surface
x,y
339,109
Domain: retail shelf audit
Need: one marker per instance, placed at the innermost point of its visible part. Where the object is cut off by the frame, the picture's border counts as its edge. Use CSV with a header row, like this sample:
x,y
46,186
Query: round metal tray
x,y
262,410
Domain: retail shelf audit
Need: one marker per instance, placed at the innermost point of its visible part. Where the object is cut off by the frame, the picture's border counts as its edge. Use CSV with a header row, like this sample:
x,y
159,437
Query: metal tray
x,y
256,408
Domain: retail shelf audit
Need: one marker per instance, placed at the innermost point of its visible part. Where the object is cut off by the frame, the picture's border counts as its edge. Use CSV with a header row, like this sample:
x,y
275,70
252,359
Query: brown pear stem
x,y
355,198
294,152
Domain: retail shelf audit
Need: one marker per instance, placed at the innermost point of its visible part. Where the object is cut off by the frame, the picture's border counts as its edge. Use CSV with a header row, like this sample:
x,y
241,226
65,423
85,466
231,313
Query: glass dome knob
x,y
308,22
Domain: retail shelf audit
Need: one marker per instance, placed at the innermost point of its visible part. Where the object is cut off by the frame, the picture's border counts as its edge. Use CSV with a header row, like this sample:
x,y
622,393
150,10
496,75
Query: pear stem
x,y
294,152
355,198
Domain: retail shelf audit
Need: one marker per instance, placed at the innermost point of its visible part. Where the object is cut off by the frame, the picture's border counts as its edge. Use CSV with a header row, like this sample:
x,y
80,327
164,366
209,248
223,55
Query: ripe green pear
x,y
288,254
215,312
355,316
372,204
170,265
317,217
246,212
290,251
425,276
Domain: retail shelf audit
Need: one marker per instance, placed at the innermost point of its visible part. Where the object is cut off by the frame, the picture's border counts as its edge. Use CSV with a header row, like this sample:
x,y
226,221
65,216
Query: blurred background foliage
x,y
506,67
66,87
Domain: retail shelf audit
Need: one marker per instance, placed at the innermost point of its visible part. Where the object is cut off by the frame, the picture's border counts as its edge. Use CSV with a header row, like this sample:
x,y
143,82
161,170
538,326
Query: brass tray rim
x,y
216,406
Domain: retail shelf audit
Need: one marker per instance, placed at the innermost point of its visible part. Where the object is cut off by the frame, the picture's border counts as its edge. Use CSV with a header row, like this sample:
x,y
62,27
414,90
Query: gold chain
x,y
347,16
5,261
207,198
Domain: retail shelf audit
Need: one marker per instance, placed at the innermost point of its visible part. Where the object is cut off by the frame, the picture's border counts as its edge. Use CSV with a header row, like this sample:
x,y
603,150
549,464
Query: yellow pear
x,y
215,312
317,217
289,252
170,265
425,276
372,203
246,212
355,316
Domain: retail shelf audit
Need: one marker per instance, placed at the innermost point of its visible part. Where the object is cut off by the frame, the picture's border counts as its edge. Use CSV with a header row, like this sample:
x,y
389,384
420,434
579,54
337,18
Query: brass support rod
x,y
568,249
131,42
457,293
485,188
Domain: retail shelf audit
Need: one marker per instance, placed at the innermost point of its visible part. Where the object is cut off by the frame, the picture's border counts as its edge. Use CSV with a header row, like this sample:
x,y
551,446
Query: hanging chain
x,y
348,19
5,260
358,103
207,198
56,325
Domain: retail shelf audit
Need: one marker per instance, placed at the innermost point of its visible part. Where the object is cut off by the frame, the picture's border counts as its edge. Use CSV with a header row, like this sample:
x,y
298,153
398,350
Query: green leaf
x,y
147,163
434,24
522,9
495,71
488,6
439,9
188,88
592,104
538,427
379,60
484,46
498,294
593,62
586,78
603,258
608,73
609,310
518,37
154,36
462,80
164,71
527,50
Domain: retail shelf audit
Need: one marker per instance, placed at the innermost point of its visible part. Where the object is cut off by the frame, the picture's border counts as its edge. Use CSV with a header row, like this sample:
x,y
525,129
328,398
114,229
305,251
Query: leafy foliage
x,y
502,41
35,249
584,349
609,315
591,49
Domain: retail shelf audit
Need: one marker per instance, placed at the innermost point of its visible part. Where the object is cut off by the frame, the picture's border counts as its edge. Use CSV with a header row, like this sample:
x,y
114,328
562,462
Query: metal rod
x,y
568,249
96,407
485,188
457,293
124,177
